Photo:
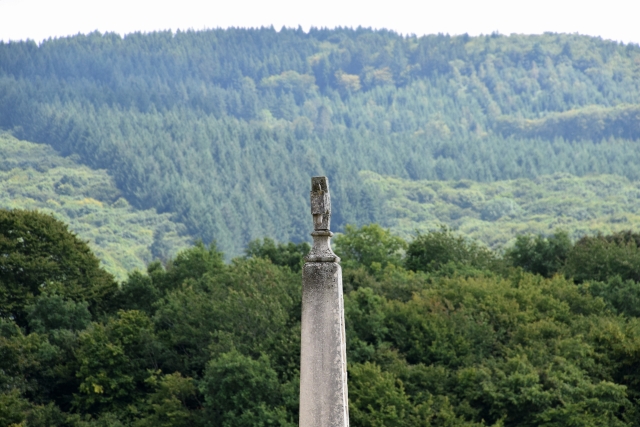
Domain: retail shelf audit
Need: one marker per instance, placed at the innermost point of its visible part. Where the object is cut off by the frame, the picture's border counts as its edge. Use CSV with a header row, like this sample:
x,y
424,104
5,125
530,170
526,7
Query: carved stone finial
x,y
320,203
321,212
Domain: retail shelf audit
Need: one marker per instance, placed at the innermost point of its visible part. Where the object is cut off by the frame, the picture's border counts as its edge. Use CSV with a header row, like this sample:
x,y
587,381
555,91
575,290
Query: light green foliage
x,y
588,123
299,85
578,205
370,246
33,176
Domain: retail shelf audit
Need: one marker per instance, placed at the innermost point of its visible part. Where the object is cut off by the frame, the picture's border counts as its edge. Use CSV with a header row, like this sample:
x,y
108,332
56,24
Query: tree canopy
x,y
39,255
547,333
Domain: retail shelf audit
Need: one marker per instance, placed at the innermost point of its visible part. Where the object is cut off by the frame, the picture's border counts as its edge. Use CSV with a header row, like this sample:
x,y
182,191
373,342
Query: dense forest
x,y
221,129
441,331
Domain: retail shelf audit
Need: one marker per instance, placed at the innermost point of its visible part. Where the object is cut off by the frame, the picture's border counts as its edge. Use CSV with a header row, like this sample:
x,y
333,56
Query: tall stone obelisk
x,y
323,362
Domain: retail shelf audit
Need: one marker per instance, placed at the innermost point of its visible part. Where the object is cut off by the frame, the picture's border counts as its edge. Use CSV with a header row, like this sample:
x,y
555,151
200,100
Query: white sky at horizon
x,y
41,19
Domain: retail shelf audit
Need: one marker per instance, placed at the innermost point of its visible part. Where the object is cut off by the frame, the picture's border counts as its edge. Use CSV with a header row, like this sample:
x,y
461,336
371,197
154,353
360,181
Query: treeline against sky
x,y
440,331
223,128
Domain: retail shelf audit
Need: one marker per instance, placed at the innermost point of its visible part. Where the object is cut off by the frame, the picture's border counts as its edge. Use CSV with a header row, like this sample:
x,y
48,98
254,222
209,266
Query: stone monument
x,y
323,362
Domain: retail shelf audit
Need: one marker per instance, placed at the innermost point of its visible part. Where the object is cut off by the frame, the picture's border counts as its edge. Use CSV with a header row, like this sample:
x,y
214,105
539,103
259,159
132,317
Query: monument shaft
x,y
323,363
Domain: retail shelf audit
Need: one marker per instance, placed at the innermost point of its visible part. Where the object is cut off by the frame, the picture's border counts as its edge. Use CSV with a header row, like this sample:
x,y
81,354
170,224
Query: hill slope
x,y
32,176
223,128
496,212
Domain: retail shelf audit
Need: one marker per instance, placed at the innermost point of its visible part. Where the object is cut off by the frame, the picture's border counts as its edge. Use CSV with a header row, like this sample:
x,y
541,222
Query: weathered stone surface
x,y
323,370
321,250
323,363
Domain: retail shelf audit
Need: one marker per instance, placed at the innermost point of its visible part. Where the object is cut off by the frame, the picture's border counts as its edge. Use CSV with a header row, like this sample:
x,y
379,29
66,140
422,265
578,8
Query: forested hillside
x,y
223,128
33,176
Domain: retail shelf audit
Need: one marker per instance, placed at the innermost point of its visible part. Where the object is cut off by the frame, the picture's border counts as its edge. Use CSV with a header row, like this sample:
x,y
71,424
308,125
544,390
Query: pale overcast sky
x,y
40,19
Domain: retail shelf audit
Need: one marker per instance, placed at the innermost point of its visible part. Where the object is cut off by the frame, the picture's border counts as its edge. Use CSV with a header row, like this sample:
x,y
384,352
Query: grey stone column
x,y
323,362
